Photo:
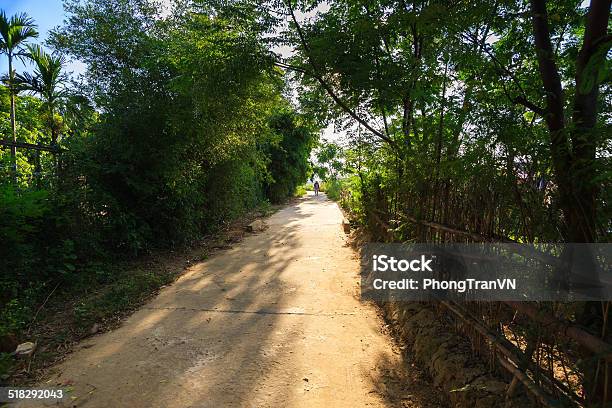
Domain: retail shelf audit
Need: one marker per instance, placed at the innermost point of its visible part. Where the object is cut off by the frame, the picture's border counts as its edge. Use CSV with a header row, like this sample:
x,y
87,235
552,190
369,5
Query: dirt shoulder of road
x,y
67,319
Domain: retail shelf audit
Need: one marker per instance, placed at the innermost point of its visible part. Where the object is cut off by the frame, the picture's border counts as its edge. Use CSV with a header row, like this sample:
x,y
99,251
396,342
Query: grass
x,y
124,294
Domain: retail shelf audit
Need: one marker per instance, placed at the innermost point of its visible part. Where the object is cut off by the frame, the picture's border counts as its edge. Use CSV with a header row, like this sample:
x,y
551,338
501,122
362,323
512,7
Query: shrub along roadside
x,y
300,191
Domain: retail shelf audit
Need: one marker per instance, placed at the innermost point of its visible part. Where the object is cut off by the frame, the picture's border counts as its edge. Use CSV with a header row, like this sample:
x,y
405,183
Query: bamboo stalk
x,y
575,333
527,382
509,355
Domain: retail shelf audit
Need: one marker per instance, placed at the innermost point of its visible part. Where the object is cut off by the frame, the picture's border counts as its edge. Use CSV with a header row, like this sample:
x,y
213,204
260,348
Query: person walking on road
x,y
316,188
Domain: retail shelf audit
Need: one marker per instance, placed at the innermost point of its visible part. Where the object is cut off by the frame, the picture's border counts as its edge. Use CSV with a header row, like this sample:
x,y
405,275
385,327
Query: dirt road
x,y
275,321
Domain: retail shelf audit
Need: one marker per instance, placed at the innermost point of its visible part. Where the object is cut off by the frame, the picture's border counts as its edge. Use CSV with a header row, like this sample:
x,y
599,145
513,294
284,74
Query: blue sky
x,y
46,14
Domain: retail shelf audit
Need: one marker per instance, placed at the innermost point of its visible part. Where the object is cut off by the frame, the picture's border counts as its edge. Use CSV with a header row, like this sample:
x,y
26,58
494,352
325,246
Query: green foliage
x,y
289,166
332,189
6,361
21,225
15,31
329,164
47,82
300,191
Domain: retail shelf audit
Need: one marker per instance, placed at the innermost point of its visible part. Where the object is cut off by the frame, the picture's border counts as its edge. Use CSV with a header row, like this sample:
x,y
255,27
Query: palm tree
x,y
47,81
14,32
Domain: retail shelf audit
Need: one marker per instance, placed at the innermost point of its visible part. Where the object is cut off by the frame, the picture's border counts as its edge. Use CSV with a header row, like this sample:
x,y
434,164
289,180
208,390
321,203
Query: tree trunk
x,y
575,165
583,227
555,118
13,124
407,118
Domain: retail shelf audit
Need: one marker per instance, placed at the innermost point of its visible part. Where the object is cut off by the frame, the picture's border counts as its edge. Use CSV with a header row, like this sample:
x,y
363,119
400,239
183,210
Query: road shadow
x,y
229,333
211,331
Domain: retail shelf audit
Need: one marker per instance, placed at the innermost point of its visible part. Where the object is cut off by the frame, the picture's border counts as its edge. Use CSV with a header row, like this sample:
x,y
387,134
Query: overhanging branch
x,y
520,100
330,91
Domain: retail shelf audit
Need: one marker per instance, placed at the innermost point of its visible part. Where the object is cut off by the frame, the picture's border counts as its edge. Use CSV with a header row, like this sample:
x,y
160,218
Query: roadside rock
x,y
94,329
256,226
346,226
25,349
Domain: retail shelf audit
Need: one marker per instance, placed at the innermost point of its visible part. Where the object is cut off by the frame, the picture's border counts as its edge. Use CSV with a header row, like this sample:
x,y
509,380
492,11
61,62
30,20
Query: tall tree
x,y
573,144
47,82
14,33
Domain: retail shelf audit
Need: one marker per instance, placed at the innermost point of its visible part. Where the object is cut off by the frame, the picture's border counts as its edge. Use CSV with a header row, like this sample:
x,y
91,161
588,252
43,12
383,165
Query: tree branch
x,y
548,68
330,91
520,100
301,70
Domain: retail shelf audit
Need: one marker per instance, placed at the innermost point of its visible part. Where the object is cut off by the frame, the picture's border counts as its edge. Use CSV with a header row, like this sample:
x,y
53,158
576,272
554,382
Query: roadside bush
x,y
289,154
300,191
333,189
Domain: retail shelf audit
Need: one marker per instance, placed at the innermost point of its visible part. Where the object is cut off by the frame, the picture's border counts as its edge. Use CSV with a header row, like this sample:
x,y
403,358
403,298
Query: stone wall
x,y
448,358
